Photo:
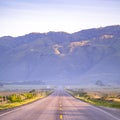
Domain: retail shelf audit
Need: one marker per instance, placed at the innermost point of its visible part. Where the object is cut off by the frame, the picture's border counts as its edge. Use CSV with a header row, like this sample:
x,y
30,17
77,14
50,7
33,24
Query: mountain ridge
x,y
60,57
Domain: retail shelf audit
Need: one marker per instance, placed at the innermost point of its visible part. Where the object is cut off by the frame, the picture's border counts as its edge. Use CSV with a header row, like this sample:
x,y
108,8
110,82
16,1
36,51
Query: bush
x,y
15,98
82,94
28,95
104,97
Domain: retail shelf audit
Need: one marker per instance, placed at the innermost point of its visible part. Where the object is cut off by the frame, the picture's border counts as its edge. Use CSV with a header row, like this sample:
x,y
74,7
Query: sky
x,y
19,17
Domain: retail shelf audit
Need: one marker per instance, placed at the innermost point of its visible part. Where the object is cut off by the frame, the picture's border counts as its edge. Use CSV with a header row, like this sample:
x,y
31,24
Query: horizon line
x,y
59,31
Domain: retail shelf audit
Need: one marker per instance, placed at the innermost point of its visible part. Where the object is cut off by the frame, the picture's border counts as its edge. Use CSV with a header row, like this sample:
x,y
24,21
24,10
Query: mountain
x,y
83,57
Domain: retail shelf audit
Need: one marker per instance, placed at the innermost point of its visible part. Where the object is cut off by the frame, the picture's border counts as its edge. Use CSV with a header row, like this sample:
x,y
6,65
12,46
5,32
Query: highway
x,y
59,106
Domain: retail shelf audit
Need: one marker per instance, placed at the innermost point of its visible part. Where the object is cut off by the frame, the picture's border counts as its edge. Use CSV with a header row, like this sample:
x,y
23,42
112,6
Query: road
x,y
59,106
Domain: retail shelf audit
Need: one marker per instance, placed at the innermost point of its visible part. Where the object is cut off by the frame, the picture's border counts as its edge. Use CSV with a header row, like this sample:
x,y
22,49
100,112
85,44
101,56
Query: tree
x,y
99,83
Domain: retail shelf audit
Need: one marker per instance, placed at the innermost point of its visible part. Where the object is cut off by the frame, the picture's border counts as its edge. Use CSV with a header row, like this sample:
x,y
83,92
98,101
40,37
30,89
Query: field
x,y
100,96
24,87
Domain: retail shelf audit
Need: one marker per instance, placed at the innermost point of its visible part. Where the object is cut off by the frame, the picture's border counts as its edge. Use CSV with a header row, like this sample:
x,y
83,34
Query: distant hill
x,y
83,57
1,85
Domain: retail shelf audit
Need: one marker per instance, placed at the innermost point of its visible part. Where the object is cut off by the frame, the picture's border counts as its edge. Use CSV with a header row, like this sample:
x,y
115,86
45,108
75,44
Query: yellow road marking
x,y
60,109
61,117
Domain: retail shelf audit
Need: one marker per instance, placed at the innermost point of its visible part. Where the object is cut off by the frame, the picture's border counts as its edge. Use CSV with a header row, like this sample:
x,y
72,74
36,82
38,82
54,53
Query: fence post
x,y
2,100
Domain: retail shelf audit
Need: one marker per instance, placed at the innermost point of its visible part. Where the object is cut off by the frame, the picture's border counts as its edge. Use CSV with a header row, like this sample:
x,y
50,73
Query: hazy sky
x,y
19,17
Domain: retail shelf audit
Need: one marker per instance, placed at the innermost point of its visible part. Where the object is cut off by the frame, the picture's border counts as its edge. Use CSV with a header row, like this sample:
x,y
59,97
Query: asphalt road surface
x,y
59,106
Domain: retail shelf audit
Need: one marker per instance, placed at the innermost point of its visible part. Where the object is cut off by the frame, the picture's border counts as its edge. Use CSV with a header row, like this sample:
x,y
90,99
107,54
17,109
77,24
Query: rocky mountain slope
x,y
61,58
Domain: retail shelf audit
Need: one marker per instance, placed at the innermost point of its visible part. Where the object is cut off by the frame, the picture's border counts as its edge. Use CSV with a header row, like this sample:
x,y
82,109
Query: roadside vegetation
x,y
15,99
99,98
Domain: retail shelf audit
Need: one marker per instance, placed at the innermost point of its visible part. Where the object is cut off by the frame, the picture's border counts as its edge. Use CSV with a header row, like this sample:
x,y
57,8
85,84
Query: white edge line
x,y
105,112
16,109
9,112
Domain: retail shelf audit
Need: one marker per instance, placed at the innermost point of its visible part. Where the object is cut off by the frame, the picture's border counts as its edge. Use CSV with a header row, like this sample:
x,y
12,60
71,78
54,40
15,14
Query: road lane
x,y
39,110
58,106
74,109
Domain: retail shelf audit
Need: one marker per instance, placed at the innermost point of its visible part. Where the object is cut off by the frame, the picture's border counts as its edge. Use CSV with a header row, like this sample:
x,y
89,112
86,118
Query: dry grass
x,y
8,104
109,97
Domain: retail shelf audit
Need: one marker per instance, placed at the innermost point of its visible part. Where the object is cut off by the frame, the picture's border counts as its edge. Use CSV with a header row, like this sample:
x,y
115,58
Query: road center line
x,y
61,117
60,110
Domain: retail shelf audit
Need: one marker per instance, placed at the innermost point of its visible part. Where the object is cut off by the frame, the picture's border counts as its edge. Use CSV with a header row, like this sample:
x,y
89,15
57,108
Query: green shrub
x,y
15,98
82,94
29,95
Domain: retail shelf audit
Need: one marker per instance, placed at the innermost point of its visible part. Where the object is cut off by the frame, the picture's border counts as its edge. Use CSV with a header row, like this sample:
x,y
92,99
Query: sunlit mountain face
x,y
61,58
